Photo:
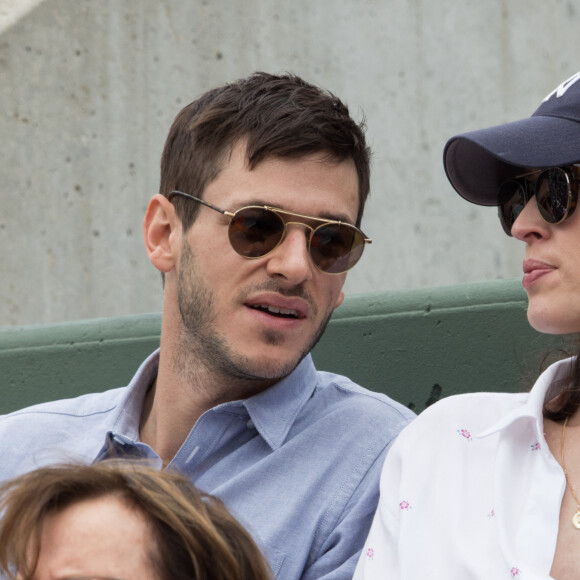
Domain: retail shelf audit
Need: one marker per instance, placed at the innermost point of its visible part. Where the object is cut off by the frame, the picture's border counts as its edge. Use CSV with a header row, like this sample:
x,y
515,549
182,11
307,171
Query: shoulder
x,y
445,424
482,407
375,411
65,430
348,395
82,406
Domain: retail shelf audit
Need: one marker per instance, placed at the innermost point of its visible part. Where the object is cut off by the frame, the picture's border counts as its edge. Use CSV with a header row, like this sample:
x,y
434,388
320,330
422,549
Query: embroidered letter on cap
x,y
561,89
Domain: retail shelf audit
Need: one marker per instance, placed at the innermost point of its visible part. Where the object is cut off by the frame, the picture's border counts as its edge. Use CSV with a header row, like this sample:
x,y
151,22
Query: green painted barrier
x,y
415,345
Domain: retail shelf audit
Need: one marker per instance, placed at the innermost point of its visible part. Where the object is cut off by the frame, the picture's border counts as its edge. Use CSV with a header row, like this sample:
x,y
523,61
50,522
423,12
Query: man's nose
x,y
291,259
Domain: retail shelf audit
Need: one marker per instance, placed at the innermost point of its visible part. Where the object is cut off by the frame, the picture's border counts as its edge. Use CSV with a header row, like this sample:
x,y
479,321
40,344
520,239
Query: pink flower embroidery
x,y
535,446
491,514
465,433
370,553
404,505
515,571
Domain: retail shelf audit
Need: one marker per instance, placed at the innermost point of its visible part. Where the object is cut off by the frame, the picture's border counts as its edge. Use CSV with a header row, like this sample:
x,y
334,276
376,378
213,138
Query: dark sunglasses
x,y
555,190
255,231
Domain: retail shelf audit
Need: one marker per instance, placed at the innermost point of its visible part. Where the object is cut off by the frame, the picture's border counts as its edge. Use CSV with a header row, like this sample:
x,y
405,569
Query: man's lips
x,y
534,269
279,305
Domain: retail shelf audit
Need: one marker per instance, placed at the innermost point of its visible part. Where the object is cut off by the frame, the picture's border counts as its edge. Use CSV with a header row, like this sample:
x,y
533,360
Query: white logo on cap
x,y
561,89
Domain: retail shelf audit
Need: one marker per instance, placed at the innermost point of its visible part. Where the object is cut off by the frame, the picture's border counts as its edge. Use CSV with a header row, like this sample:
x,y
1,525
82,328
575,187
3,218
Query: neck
x,y
186,388
194,376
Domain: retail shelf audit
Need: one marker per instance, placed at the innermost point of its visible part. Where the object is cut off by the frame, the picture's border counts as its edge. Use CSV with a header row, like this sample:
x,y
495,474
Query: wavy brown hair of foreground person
x,y
193,534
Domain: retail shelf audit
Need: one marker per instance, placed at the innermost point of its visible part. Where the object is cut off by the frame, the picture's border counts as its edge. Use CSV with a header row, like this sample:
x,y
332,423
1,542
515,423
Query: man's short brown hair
x,y
276,116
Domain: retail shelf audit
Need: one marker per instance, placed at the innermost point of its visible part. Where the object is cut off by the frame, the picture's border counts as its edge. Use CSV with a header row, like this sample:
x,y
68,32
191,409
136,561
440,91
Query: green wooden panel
x,y
43,363
420,345
415,345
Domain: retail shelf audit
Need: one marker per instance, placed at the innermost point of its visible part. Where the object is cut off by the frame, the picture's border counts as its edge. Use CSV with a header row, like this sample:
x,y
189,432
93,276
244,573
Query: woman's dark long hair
x,y
567,402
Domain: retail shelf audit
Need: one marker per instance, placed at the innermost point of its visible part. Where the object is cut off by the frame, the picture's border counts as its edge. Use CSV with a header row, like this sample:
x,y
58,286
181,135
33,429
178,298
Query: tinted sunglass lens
x,y
336,248
511,201
255,231
553,195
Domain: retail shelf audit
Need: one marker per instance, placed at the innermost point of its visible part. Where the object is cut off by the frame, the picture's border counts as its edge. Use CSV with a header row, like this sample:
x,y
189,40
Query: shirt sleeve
x,y
341,550
379,556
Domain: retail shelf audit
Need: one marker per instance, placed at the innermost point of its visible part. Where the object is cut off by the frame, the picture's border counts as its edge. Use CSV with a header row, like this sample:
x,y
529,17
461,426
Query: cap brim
x,y
476,163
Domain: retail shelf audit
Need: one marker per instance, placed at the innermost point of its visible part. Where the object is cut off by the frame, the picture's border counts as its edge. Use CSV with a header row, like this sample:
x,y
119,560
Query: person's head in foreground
x,y
530,170
122,521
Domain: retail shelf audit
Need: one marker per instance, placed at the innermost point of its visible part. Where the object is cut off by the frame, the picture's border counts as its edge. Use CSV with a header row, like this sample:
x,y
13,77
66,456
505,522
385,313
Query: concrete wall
x,y
88,89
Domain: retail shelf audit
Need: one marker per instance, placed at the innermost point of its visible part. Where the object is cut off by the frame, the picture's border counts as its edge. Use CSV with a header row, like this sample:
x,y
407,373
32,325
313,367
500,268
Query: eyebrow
x,y
325,215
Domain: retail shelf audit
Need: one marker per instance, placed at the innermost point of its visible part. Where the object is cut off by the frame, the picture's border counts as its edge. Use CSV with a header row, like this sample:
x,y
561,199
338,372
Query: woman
x,y
487,485
119,520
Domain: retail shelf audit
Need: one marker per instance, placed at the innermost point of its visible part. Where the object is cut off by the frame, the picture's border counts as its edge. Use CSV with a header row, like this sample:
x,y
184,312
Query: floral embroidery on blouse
x,y
535,446
370,553
465,433
491,514
405,505
515,571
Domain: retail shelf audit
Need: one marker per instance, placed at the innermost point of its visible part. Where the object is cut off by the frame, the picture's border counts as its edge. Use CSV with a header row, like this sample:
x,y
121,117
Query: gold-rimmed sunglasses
x,y
255,231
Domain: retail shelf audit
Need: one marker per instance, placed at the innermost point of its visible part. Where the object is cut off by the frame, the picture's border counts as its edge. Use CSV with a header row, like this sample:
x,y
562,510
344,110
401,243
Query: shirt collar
x,y
128,415
550,383
274,410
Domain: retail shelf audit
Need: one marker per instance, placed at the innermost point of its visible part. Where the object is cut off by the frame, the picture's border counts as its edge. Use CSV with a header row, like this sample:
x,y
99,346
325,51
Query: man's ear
x,y
339,299
161,228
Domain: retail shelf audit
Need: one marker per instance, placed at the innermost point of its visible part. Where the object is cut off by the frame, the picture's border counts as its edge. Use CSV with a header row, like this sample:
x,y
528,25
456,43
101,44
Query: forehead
x,y
96,537
313,185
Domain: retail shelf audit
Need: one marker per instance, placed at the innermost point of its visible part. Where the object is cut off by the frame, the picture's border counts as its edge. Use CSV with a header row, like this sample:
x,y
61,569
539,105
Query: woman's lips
x,y
533,270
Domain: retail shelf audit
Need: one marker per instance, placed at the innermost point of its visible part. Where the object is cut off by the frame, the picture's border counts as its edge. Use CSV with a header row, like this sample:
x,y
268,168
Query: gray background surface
x,y
88,89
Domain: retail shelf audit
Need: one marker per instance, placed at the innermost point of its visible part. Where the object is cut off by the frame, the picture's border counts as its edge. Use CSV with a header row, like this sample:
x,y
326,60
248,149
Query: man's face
x,y
257,318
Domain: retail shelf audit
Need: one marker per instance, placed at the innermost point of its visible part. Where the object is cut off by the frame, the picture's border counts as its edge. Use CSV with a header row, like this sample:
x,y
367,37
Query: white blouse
x,y
470,490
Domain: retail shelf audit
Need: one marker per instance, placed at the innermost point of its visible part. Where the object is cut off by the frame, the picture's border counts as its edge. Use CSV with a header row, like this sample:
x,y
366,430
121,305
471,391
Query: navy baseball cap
x,y
476,163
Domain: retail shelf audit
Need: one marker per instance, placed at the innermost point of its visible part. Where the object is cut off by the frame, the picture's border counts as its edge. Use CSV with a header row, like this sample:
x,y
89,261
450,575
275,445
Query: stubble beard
x,y
201,351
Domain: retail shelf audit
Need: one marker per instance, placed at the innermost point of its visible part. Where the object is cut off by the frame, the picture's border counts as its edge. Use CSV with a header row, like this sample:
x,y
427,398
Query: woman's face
x,y
100,537
551,270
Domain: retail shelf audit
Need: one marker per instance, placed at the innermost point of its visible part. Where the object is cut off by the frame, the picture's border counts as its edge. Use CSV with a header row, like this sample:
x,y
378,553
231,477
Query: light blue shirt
x,y
298,464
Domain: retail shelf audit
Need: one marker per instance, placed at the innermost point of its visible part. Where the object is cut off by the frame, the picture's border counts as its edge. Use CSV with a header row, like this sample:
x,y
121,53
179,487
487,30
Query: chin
x,y
274,369
265,366
552,323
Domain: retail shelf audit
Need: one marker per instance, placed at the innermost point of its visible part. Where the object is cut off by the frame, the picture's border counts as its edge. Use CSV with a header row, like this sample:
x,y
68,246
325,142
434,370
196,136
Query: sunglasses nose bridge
x,y
527,190
308,232
288,223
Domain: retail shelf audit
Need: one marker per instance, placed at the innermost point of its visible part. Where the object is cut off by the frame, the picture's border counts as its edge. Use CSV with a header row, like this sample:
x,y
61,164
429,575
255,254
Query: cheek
x,y
339,299
334,293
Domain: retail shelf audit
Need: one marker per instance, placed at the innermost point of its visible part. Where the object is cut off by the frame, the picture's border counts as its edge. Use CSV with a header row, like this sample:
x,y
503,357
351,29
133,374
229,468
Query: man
x,y
263,185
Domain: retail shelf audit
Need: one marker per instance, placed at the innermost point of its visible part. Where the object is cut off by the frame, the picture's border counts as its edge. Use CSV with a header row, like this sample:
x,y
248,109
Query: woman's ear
x,y
161,227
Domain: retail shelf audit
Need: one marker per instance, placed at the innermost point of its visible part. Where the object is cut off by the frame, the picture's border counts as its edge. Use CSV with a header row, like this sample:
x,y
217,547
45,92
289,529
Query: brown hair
x,y
277,116
195,535
568,401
